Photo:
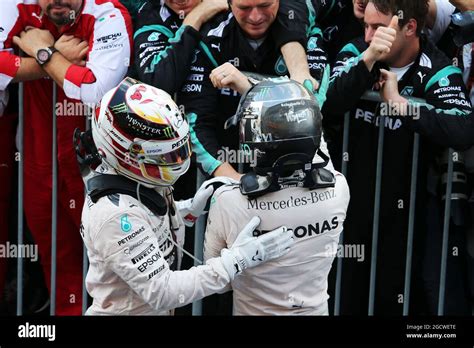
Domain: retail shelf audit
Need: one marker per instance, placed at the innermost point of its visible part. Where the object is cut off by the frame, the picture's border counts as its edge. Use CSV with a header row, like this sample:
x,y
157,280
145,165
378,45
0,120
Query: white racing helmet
x,y
141,133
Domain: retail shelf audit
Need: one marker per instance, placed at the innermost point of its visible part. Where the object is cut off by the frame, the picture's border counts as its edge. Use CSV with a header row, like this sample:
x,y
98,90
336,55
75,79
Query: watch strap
x,y
50,50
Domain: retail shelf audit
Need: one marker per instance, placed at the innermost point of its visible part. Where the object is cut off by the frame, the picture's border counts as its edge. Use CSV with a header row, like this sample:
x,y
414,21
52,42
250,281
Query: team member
x,y
331,24
430,120
132,227
442,126
283,130
93,40
166,37
424,72
336,21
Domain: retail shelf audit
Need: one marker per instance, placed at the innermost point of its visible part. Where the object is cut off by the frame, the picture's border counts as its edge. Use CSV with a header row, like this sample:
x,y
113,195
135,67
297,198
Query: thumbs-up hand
x,y
394,23
381,43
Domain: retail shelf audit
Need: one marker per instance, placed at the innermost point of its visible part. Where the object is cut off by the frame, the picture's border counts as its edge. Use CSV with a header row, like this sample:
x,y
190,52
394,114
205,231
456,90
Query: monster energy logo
x,y
120,108
263,92
168,132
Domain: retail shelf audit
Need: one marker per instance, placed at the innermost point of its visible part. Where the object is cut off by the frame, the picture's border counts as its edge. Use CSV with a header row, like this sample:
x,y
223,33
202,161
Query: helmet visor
x,y
171,158
288,120
166,175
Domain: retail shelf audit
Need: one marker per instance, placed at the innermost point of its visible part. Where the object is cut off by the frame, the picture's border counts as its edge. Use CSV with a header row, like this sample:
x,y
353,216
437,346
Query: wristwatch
x,y
44,55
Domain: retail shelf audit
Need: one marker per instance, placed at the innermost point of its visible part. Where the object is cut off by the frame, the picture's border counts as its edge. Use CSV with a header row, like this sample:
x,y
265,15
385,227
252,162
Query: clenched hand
x,y
73,49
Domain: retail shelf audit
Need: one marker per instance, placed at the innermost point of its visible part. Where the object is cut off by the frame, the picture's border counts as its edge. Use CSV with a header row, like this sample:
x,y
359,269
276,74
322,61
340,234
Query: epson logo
x,y
192,88
153,151
150,261
458,102
143,254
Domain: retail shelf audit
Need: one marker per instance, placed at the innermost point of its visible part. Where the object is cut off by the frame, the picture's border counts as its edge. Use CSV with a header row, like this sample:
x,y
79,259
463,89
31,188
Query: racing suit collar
x,y
106,169
424,45
310,175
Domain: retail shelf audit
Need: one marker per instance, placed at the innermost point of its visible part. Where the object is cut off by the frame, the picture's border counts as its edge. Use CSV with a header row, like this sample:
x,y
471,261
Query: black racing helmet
x,y
279,119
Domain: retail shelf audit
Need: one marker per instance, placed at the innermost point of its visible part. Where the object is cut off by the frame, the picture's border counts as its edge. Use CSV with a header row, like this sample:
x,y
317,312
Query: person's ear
x,y
411,28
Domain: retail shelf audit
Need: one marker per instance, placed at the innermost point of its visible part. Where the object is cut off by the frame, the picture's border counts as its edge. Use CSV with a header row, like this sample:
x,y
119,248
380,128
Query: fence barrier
x,y
200,225
373,96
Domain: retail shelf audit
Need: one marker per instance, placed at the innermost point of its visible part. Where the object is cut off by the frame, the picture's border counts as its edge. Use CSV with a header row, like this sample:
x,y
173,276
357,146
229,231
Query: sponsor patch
x,y
125,225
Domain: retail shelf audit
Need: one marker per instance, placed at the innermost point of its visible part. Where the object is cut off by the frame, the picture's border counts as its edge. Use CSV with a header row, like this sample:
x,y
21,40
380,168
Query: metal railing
x,y
200,225
54,208
19,261
373,96
200,228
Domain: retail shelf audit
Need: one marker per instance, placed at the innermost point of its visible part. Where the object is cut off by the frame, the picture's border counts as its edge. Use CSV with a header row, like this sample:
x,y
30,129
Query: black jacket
x,y
333,19
164,48
433,78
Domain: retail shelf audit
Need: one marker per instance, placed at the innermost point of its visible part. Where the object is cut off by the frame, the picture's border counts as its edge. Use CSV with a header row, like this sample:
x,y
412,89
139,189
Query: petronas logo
x,y
280,66
125,224
312,44
120,108
444,82
154,36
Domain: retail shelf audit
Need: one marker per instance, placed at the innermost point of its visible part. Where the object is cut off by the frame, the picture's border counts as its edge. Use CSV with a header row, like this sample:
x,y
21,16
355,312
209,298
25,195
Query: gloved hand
x,y
249,251
321,90
192,208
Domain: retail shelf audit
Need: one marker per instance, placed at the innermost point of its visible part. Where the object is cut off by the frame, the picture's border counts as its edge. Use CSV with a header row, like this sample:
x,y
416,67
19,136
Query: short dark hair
x,y
405,10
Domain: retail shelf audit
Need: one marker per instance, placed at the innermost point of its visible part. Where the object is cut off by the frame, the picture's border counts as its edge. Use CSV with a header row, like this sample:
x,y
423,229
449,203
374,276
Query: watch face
x,y
43,55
